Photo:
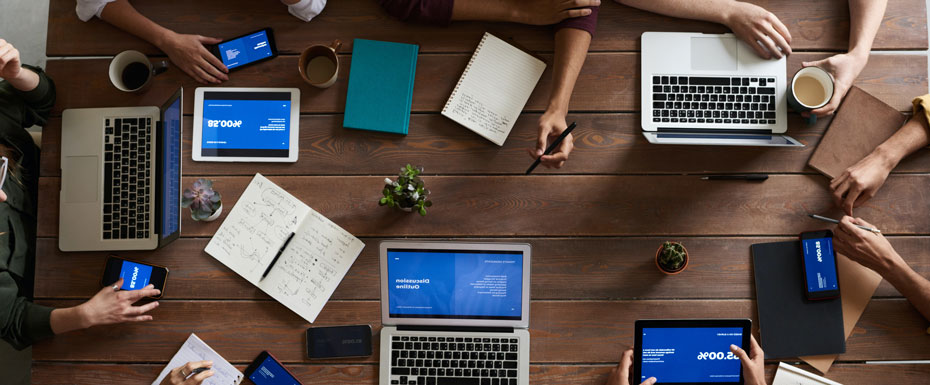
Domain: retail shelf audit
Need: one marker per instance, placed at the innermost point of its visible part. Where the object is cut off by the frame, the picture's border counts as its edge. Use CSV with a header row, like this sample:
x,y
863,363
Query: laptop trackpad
x,y
81,186
713,53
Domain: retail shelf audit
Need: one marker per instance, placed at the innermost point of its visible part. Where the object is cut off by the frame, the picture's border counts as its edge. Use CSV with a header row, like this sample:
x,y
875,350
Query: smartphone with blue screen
x,y
245,50
267,370
135,275
821,280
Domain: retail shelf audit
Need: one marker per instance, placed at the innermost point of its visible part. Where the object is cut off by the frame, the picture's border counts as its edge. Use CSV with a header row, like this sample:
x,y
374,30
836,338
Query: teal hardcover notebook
x,y
380,86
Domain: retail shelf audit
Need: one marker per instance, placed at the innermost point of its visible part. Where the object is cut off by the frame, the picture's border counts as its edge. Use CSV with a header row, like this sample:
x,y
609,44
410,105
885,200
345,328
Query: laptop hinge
x,y
714,130
471,329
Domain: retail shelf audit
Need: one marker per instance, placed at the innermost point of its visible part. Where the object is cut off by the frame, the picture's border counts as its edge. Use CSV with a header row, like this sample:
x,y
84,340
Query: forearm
x,y
26,81
571,48
68,319
124,16
914,135
912,285
865,17
716,11
489,10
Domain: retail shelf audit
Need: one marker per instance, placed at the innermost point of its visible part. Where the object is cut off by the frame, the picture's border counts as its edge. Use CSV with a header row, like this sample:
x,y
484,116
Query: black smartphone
x,y
267,370
251,48
135,275
821,280
339,341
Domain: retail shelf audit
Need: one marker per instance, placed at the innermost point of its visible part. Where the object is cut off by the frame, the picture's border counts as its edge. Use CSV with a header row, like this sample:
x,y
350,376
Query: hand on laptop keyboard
x,y
759,28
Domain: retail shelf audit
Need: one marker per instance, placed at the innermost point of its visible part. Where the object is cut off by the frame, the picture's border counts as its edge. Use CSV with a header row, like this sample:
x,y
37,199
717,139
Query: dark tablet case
x,y
789,324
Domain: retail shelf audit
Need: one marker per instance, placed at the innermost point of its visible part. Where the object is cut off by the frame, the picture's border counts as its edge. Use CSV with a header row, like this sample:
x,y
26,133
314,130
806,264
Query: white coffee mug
x,y
131,71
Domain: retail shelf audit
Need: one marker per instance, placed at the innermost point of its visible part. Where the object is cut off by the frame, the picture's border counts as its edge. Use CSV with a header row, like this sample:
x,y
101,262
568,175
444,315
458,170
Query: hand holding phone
x,y
135,275
821,280
248,49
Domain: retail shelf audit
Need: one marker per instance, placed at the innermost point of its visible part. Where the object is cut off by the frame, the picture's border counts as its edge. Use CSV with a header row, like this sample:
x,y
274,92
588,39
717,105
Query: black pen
x,y
552,147
276,256
196,371
749,177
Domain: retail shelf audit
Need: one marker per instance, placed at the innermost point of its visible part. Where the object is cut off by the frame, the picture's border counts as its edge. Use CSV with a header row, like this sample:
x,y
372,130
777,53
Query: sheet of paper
x,y
857,284
194,349
494,89
790,375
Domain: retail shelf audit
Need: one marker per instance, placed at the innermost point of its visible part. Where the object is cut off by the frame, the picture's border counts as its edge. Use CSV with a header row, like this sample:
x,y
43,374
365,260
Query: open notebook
x,y
194,349
494,88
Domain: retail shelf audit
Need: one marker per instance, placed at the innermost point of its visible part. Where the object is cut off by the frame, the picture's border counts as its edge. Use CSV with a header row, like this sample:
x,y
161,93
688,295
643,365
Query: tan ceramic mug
x,y
319,64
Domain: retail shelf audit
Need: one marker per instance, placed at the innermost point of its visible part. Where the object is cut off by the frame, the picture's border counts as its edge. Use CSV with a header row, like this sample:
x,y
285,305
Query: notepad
x,y
312,265
194,349
494,88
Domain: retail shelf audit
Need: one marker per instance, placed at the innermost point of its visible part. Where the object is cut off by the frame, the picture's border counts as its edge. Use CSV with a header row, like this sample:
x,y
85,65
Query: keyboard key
x,y
665,80
736,81
708,81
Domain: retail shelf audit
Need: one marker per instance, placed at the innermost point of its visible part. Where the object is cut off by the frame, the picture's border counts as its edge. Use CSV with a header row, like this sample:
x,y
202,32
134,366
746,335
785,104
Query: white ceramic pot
x,y
215,215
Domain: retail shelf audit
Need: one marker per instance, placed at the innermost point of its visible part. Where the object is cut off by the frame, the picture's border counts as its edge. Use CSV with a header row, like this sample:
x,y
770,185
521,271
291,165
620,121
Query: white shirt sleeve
x,y
86,9
305,9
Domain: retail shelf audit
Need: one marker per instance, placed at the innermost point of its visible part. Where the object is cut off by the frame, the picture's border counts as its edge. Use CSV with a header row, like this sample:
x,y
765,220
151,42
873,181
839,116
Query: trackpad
x,y
713,53
82,183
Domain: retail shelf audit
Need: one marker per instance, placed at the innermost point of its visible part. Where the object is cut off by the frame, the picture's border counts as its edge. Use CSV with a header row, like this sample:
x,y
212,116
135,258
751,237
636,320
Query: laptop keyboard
x,y
717,100
436,360
127,178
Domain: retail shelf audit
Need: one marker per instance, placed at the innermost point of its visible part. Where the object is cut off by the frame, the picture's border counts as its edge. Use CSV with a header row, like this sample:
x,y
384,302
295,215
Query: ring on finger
x,y
182,373
115,287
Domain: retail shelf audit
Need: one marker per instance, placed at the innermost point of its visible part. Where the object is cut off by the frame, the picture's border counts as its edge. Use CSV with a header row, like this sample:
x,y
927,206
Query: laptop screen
x,y
455,284
170,170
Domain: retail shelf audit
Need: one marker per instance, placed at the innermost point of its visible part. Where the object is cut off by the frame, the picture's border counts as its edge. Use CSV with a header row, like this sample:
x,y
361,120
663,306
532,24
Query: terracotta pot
x,y
680,269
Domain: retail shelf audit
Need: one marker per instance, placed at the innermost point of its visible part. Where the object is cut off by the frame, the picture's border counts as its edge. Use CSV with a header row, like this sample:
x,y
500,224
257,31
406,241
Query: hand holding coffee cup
x,y
811,88
131,71
319,64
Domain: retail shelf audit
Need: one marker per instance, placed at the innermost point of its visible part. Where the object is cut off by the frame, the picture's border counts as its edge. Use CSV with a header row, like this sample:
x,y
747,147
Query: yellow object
x,y
922,104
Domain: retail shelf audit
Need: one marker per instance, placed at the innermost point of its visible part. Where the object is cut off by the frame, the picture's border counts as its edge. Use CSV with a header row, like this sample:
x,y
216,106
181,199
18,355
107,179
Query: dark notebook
x,y
789,324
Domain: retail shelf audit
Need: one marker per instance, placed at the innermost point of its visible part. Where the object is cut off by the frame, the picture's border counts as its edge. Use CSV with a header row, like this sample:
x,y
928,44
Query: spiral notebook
x,y
494,88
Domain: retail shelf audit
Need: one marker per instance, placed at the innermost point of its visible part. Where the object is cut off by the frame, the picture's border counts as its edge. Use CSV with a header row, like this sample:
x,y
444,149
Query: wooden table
x,y
594,225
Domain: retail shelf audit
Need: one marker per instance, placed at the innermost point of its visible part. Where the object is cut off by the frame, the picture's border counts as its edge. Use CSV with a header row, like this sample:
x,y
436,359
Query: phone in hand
x,y
248,49
267,370
135,275
339,341
821,280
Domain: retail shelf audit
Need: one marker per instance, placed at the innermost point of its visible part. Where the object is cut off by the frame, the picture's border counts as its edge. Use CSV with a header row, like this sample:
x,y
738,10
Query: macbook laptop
x,y
711,90
121,177
455,313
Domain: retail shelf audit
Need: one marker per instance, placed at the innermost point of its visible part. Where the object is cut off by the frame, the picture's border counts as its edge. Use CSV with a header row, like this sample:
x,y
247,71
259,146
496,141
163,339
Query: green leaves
x,y
673,256
408,191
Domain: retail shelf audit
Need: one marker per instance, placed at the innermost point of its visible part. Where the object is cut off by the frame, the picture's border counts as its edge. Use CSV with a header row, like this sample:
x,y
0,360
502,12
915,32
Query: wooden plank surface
x,y
574,331
608,82
820,25
563,269
574,205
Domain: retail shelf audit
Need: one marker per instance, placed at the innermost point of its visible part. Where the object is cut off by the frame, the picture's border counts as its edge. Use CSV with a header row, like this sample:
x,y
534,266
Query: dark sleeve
x,y
38,102
436,12
21,322
586,23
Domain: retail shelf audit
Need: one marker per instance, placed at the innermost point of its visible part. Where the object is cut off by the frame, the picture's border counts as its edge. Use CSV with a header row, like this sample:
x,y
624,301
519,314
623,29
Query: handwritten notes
x,y
311,266
494,89
194,349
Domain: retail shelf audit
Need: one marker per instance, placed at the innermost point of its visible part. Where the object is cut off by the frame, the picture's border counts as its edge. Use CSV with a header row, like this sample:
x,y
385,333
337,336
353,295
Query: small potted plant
x,y
206,204
407,193
672,258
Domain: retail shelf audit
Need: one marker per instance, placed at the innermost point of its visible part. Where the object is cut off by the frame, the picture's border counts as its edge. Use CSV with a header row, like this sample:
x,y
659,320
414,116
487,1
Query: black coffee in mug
x,y
135,75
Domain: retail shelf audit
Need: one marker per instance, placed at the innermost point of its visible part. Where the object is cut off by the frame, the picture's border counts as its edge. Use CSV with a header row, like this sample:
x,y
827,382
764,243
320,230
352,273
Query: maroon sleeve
x,y
586,23
437,12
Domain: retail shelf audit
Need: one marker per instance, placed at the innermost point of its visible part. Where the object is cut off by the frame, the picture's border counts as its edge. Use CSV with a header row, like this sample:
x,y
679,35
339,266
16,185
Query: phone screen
x,y
135,275
339,341
244,50
819,264
270,372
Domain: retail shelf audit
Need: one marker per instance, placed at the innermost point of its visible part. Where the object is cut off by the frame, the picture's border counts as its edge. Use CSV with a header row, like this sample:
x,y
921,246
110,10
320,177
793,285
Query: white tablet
x,y
246,124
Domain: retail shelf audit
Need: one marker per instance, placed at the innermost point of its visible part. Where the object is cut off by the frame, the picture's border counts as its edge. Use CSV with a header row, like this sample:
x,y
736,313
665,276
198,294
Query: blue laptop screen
x,y
170,168
455,284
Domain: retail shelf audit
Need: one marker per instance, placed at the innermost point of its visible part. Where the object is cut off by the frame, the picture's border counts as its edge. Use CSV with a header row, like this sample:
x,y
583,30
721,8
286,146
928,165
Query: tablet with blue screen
x,y
689,351
246,124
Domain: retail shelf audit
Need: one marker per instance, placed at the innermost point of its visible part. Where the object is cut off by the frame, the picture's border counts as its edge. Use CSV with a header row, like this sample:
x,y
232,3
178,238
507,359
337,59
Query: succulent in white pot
x,y
205,203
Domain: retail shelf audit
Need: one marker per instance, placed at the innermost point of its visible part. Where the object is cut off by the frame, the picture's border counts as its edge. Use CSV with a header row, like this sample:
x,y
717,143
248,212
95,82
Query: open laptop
x,y
455,313
121,177
711,90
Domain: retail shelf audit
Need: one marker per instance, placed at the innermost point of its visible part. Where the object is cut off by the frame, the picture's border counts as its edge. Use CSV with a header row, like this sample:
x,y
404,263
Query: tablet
x,y
246,124
689,351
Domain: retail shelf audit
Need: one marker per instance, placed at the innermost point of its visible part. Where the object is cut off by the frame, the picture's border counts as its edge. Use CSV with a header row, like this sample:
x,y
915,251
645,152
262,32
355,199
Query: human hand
x,y
845,68
545,12
621,374
111,306
10,65
178,376
860,182
189,54
753,363
551,125
869,249
759,28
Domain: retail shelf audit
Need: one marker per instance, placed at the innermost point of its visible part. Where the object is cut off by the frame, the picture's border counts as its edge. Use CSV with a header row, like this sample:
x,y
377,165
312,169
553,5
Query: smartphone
x,y
267,370
819,265
135,275
339,341
251,48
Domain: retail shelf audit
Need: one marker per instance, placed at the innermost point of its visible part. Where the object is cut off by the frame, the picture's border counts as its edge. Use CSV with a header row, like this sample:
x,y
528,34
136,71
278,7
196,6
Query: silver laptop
x,y
711,90
455,313
120,177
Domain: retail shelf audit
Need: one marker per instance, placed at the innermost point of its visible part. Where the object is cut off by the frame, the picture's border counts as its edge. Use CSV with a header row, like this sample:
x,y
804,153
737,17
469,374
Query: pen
x,y
551,147
831,220
276,256
749,177
196,371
